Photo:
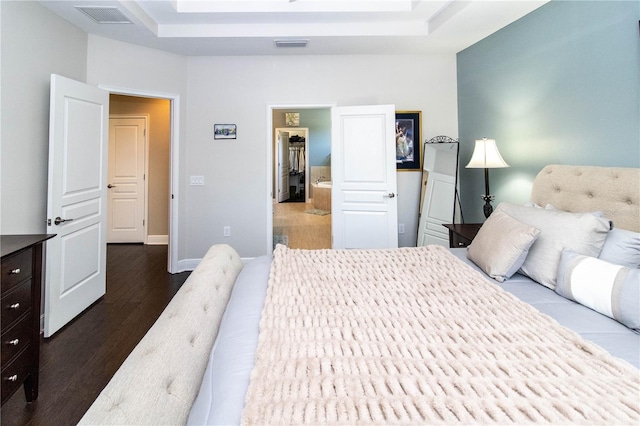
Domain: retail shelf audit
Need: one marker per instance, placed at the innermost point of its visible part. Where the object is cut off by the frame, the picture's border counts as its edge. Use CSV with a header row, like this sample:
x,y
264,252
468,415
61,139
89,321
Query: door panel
x,y
76,257
283,166
364,211
126,199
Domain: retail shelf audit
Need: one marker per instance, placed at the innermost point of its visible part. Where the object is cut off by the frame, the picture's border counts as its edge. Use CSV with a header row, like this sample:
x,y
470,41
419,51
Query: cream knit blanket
x,y
415,336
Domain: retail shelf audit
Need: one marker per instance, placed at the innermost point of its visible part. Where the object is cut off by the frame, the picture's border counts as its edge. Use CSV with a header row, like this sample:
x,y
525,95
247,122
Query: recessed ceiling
x,y
332,27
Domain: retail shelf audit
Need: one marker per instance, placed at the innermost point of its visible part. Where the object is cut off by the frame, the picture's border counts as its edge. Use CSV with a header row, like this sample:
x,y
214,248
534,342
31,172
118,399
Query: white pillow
x,y
583,233
612,290
501,245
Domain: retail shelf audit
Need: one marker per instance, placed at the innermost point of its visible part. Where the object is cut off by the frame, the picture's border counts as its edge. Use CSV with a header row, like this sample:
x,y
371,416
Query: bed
x,y
413,335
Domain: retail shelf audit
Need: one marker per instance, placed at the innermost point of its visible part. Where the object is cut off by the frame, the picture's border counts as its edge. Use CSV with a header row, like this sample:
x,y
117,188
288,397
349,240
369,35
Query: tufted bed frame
x,y
159,381
614,191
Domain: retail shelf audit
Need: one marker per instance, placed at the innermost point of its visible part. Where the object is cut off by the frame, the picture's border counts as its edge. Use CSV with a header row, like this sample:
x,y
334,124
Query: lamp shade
x,y
486,155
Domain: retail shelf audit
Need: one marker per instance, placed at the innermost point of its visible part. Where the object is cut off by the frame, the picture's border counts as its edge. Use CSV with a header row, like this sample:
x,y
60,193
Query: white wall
x,y
35,44
238,89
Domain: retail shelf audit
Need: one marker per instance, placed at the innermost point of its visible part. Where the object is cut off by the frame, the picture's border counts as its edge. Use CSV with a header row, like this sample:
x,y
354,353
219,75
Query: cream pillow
x,y
501,245
583,233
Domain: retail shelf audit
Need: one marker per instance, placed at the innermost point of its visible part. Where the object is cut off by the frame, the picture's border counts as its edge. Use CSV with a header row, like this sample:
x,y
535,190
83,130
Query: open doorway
x,y
300,161
139,170
174,165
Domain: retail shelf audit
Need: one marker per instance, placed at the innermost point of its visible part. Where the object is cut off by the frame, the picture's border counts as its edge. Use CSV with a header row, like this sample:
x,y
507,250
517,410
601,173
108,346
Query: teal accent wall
x,y
559,86
319,123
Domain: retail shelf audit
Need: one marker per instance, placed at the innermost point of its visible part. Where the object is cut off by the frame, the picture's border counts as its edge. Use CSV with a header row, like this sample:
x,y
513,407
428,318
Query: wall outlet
x,y
401,228
226,231
196,180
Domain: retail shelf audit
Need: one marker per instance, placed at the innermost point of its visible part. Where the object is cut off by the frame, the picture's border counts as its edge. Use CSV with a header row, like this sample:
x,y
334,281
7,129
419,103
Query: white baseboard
x,y
187,264
157,240
190,264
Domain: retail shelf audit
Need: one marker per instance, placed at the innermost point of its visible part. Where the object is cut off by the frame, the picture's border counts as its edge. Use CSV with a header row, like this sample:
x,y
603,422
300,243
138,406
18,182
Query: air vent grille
x,y
104,15
291,43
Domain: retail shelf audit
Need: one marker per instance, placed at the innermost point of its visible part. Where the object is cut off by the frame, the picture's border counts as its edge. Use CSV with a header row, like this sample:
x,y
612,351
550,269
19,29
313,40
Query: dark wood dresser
x,y
21,281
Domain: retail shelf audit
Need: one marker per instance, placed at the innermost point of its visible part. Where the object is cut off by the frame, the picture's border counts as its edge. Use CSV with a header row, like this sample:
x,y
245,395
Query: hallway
x,y
301,230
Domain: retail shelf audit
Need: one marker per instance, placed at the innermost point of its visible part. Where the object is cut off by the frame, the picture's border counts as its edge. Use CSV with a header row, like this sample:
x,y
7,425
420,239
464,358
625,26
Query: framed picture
x,y
408,140
224,131
292,119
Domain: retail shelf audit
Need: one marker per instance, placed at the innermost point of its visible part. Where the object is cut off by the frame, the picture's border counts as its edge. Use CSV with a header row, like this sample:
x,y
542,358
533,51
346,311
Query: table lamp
x,y
486,156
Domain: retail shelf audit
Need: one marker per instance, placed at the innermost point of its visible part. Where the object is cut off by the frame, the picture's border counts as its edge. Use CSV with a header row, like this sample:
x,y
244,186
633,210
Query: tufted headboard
x,y
615,191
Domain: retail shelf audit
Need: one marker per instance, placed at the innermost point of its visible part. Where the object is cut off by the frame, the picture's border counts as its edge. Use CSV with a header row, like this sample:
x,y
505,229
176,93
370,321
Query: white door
x,y
363,171
282,181
126,201
76,205
437,209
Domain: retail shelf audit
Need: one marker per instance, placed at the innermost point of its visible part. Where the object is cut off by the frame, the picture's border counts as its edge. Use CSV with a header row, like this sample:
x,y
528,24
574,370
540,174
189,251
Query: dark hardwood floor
x,y
78,361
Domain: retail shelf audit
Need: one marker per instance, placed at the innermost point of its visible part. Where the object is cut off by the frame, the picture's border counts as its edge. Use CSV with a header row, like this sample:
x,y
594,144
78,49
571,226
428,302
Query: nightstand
x,y
461,234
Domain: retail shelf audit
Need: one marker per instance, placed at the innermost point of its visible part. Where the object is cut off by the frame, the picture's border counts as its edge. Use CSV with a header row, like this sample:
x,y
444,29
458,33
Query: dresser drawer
x,y
14,374
16,268
15,303
16,338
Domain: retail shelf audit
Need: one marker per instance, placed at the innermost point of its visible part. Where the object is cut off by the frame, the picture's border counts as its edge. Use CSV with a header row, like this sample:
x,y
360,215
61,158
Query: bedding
x,y
525,312
414,336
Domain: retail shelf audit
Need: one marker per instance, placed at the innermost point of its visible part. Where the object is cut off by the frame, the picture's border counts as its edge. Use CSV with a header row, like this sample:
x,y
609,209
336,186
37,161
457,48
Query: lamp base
x,y
487,208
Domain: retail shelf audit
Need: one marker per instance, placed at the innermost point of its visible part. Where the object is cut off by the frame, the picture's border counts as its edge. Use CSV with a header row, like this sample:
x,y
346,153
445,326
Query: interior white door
x,y
127,154
76,206
363,171
282,182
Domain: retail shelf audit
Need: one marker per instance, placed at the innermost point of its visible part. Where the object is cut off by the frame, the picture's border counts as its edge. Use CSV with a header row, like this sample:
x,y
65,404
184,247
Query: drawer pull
x,y
14,342
15,306
13,378
15,271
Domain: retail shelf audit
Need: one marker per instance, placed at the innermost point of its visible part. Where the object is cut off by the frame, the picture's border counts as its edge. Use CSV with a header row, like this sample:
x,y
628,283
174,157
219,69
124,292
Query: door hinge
x,y
172,196
144,132
142,222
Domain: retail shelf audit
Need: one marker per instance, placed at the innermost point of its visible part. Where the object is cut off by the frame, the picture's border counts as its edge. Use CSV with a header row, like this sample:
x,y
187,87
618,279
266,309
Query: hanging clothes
x,y
297,159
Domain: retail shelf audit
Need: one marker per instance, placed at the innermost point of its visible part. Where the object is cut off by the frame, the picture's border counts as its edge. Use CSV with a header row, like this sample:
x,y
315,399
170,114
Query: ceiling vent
x,y
104,15
292,43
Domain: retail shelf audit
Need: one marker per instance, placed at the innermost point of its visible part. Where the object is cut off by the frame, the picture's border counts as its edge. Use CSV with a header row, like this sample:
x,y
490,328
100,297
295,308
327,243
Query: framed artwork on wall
x,y
292,119
408,137
224,131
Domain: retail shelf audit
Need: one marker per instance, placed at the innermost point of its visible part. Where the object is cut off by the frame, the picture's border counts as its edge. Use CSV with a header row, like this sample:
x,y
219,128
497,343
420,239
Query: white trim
x,y
157,240
147,148
187,264
174,168
269,157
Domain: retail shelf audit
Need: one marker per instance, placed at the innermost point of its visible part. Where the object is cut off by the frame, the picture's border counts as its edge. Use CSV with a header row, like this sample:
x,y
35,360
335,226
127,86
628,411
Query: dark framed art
x,y
224,131
408,137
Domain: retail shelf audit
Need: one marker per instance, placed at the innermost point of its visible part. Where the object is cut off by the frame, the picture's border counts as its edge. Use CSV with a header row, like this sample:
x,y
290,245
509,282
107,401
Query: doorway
x,y
150,174
173,194
298,151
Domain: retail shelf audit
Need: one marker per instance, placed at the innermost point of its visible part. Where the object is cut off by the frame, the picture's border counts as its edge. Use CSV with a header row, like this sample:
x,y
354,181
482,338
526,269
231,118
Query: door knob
x,y
58,220
111,186
389,195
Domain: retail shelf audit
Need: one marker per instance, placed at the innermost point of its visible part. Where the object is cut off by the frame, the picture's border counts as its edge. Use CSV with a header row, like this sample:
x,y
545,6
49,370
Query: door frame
x,y
269,144
174,166
146,119
307,169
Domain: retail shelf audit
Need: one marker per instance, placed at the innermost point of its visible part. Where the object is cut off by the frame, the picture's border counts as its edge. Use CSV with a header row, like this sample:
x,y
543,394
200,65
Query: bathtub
x,y
322,195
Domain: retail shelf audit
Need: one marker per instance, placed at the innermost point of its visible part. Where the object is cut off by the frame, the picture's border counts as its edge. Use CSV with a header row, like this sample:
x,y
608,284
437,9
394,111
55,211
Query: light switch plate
x,y
197,180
